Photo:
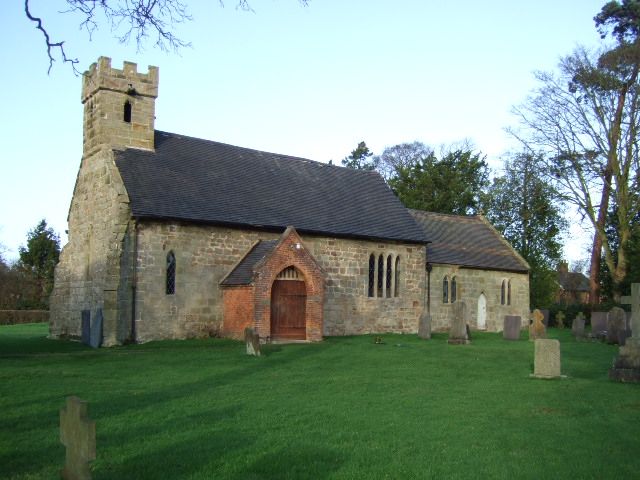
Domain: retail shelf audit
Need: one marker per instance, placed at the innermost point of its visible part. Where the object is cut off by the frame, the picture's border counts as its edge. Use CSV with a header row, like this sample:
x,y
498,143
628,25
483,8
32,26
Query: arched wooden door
x,y
288,301
482,312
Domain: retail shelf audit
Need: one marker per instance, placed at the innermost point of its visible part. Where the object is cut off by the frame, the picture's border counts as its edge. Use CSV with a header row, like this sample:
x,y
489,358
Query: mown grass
x,y
341,409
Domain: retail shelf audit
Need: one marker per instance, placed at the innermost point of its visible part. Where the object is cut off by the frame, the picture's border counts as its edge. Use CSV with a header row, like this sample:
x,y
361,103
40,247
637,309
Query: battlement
x,y
101,76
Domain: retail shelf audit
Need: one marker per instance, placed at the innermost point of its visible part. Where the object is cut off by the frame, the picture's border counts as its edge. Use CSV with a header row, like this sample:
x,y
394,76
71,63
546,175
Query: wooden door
x,y
288,299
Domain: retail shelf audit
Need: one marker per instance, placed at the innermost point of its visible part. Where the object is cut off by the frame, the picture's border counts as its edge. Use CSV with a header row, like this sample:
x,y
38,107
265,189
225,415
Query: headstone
x,y
577,327
424,327
458,329
86,327
468,328
78,435
560,319
537,329
252,341
545,319
616,326
626,367
598,324
512,326
95,339
547,359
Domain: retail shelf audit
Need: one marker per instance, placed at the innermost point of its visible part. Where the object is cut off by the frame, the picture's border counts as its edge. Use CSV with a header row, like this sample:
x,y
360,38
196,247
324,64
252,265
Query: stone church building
x,y
172,236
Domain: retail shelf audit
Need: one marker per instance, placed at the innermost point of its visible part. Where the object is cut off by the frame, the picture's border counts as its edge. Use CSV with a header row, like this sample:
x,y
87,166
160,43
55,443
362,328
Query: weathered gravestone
x,y
616,326
458,329
577,327
95,339
598,324
626,367
537,328
512,326
252,341
86,326
424,327
78,435
545,318
547,359
560,320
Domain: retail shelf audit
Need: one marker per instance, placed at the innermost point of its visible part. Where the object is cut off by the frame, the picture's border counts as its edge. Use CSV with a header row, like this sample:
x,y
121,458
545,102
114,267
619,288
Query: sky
x,y
304,81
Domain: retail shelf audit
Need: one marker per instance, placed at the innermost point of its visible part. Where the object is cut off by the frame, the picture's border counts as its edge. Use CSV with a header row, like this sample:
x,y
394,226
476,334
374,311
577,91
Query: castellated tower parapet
x,y
119,106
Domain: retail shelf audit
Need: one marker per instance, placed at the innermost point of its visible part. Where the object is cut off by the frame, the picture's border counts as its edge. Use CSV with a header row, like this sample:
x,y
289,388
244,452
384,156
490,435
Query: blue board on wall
x,y
86,326
96,330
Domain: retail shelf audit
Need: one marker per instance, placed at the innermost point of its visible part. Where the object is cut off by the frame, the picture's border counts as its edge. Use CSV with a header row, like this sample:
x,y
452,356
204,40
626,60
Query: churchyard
x,y
383,406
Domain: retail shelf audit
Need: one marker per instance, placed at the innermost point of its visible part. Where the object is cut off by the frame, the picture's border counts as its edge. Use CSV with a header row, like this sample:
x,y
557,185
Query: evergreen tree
x,y
360,158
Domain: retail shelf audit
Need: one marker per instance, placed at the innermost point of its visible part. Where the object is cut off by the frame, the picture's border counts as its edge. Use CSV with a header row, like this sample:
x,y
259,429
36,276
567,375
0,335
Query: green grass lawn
x,y
343,408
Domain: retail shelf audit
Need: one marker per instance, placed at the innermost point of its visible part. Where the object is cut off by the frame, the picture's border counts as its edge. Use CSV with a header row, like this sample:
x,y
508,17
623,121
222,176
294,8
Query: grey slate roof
x,y
573,281
467,241
203,181
242,274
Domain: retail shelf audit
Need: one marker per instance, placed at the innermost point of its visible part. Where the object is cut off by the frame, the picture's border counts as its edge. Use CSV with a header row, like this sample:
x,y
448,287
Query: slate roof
x,y
203,181
573,281
242,274
467,241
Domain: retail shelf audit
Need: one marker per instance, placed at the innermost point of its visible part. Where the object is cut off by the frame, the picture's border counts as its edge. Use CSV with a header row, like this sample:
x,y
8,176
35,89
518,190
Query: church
x,y
174,237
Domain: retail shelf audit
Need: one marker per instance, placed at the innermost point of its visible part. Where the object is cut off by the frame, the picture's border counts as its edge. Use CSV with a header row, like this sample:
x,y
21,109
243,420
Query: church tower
x,y
119,106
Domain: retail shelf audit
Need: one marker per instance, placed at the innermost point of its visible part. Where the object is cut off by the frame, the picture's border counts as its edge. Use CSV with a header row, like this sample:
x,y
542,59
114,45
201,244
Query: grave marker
x,y
252,341
577,327
537,329
560,319
598,324
458,330
512,326
626,367
617,326
424,327
78,435
547,359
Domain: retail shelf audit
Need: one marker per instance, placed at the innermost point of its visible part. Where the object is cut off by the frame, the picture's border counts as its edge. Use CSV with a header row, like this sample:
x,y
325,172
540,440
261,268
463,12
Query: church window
x,y
372,275
380,275
171,274
445,290
397,283
389,276
454,287
127,111
509,292
503,292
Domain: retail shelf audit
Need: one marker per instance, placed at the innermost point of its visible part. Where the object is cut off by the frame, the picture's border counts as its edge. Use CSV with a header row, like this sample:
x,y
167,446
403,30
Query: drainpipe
x,y
134,281
429,268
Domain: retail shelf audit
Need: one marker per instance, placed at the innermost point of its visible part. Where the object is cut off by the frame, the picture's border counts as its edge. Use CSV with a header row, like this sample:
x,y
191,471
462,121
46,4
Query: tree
x,y
400,156
360,158
40,257
127,20
452,184
585,120
525,209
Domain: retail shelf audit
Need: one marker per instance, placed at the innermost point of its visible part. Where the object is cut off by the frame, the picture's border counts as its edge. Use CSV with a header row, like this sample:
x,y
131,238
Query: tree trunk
x,y
596,250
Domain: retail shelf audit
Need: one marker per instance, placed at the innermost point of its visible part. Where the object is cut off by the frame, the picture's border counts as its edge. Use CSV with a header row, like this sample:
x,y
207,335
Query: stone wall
x,y
205,254
470,284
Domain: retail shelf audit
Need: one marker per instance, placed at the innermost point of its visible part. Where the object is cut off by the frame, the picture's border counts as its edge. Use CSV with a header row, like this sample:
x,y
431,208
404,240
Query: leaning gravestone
x,y
626,367
560,320
458,329
512,326
78,435
616,326
547,359
598,324
95,339
424,327
252,341
537,329
577,327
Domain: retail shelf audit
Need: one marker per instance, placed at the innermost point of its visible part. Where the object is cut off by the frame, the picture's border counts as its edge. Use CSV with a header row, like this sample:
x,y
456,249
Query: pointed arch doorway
x,y
482,312
288,306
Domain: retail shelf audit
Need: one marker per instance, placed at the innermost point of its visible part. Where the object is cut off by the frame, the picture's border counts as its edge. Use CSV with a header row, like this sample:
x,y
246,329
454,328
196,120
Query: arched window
x,y
509,292
454,291
372,275
171,274
503,292
127,111
445,290
389,265
380,274
397,272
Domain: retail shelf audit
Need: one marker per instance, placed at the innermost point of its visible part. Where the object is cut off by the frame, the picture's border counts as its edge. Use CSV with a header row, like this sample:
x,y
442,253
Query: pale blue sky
x,y
309,82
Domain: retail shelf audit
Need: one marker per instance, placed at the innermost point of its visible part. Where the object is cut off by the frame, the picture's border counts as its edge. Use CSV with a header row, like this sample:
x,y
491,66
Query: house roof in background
x,y
197,180
467,241
573,281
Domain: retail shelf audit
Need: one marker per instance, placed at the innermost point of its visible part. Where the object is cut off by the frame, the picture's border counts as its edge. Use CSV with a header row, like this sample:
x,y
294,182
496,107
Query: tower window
x,y
454,289
127,111
380,275
171,274
445,290
397,272
372,275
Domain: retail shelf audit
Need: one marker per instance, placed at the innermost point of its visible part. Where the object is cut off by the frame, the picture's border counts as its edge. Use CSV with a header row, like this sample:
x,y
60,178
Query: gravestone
x,y
598,324
626,367
252,341
577,327
424,327
560,319
78,435
86,326
616,326
512,326
458,329
547,359
95,339
545,319
537,329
